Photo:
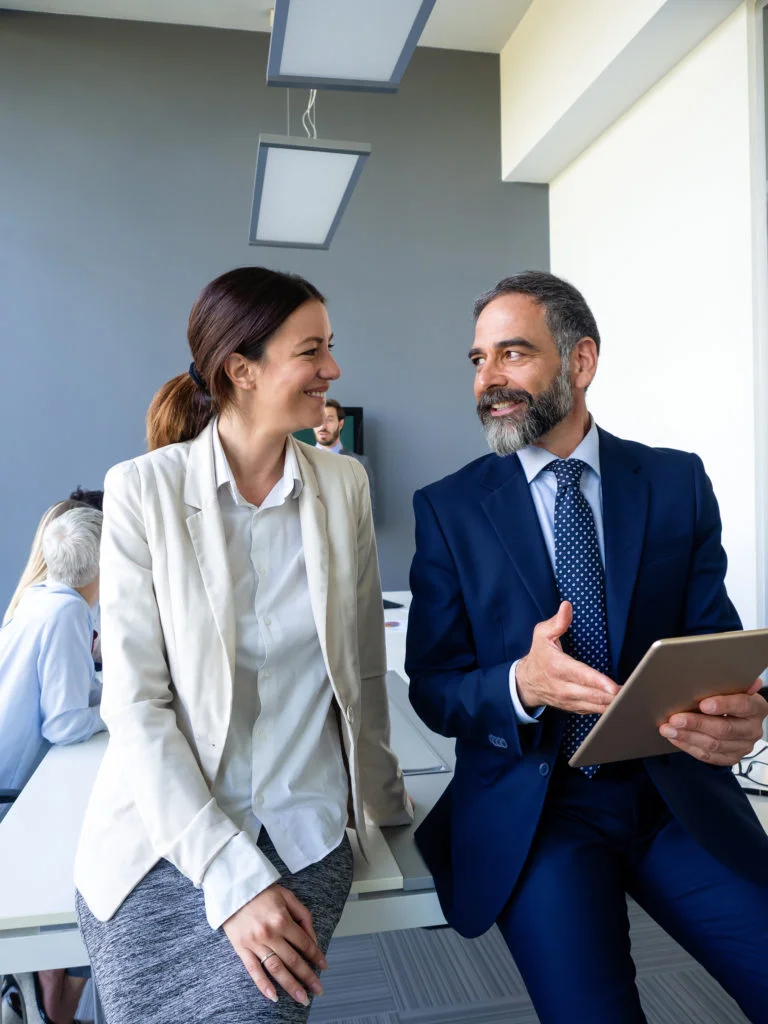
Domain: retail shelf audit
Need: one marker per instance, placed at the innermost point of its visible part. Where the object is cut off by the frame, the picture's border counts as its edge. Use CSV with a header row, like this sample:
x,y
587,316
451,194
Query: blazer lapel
x,y
625,514
511,510
314,537
206,531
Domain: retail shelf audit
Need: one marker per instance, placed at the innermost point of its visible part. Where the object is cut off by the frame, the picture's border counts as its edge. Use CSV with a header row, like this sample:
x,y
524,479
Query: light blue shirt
x,y
332,448
543,487
48,689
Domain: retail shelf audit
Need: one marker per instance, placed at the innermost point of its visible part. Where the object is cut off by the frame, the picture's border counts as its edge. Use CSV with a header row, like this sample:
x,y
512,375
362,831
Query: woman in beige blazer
x,y
244,689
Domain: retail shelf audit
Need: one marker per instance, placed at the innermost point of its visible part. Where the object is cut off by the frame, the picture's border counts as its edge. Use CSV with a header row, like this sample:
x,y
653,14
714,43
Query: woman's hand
x,y
273,935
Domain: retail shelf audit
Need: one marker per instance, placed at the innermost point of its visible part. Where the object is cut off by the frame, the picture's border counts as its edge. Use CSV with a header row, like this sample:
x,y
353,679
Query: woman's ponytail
x,y
178,412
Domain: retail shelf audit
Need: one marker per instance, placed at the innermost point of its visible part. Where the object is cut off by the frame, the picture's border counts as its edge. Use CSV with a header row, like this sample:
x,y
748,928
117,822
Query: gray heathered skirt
x,y
158,961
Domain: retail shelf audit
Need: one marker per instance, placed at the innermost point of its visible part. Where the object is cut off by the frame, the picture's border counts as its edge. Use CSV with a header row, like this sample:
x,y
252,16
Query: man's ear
x,y
583,362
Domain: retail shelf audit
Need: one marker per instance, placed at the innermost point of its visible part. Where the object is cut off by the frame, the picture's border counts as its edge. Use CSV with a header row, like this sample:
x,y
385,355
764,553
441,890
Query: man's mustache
x,y
495,396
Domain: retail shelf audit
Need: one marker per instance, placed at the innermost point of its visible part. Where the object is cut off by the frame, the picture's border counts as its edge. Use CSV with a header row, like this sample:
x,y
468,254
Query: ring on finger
x,y
264,959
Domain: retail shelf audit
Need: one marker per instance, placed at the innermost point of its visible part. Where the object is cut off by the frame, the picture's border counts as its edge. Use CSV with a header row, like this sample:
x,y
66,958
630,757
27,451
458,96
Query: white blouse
x,y
282,765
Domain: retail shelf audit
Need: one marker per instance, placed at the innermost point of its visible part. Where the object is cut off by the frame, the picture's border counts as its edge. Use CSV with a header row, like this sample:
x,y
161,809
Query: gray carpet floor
x,y
436,977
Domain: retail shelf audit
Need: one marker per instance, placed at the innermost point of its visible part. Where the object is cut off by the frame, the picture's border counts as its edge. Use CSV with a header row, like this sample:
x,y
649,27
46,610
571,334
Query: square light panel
x,y
344,44
302,188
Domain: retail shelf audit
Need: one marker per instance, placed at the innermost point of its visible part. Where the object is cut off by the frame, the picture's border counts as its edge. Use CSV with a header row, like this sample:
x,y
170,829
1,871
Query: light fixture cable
x,y
308,117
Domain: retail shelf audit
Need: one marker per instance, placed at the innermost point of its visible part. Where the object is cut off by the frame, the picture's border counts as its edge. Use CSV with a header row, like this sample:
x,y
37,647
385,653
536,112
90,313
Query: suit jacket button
x,y
544,769
350,714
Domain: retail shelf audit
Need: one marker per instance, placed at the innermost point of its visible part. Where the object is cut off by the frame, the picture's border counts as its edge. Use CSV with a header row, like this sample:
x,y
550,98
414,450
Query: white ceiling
x,y
483,25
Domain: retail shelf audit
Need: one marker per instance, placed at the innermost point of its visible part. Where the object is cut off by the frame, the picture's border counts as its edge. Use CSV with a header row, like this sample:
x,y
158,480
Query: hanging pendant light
x,y
344,44
302,188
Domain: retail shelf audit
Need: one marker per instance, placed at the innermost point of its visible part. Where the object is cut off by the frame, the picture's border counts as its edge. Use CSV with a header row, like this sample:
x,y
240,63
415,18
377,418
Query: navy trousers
x,y
566,923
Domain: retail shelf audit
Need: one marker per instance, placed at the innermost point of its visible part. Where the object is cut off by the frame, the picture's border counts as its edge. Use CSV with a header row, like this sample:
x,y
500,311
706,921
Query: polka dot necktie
x,y
580,580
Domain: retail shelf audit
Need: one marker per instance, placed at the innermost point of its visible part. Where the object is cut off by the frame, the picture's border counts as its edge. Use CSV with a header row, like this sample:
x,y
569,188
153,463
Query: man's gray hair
x,y
71,547
568,316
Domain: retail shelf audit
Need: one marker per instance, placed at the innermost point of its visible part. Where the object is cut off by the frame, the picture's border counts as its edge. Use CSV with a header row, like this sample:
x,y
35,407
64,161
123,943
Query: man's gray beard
x,y
506,435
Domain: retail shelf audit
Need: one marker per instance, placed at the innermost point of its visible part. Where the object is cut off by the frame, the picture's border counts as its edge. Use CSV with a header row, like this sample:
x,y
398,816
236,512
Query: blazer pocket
x,y
485,764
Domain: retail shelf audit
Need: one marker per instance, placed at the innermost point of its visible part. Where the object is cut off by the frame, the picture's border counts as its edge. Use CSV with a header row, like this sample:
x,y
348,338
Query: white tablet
x,y
674,675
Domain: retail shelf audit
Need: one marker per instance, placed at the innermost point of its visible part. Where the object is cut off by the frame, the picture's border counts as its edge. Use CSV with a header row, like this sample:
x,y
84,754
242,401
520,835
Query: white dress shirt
x,y
49,692
282,765
543,491
330,448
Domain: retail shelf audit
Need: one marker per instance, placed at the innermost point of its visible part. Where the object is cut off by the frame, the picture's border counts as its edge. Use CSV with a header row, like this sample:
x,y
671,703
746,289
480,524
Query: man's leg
x,y
566,924
720,918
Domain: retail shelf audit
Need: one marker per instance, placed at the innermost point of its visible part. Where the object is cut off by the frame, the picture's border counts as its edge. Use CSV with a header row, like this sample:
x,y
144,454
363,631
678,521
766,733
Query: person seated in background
x,y
36,571
48,690
328,436
93,499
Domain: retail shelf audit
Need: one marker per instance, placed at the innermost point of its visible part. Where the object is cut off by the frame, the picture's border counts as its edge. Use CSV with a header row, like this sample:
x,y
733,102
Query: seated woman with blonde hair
x,y
49,692
244,680
36,571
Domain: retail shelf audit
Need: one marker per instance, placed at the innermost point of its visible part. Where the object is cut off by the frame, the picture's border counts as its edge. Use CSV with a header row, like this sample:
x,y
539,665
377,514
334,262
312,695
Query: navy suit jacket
x,y
481,579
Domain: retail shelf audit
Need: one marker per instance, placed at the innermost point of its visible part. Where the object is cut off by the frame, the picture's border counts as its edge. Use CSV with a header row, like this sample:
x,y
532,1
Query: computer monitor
x,y
351,432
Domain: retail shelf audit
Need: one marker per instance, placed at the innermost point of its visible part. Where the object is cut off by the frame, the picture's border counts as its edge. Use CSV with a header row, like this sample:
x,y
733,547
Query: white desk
x,y
396,634
37,920
760,806
38,838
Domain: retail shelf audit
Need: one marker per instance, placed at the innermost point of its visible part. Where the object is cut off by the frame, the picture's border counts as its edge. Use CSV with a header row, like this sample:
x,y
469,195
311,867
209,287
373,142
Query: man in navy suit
x,y
542,574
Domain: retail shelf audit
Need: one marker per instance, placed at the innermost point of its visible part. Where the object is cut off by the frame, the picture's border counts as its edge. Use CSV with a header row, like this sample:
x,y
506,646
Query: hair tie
x,y
193,373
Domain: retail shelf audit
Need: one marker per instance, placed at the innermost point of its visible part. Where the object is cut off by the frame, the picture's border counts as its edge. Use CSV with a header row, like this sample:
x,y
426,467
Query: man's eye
x,y
310,352
478,361
512,353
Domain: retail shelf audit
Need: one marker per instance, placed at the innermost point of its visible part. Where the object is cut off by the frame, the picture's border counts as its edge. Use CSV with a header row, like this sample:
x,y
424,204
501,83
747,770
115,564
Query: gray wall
x,y
126,169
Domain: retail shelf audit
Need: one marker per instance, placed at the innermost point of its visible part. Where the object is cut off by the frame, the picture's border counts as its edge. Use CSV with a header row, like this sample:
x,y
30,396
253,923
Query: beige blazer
x,y
168,641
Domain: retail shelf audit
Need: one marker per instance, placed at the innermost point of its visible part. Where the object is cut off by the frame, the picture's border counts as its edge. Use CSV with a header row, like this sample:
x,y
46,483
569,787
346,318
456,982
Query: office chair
x,y
22,1001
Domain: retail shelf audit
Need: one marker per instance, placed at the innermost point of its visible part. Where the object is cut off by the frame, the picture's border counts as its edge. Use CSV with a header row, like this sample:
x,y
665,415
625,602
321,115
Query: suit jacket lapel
x,y
206,531
625,514
314,537
510,508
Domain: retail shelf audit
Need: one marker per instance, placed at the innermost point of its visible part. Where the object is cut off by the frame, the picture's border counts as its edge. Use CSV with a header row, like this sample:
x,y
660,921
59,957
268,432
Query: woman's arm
x,y
384,796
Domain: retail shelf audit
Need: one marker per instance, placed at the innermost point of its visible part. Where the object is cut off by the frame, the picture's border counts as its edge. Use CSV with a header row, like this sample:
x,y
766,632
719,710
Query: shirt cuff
x,y
522,715
239,872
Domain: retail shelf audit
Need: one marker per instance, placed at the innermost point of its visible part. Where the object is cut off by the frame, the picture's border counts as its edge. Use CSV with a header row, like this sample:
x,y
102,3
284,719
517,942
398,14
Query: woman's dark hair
x,y
340,414
94,499
238,312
